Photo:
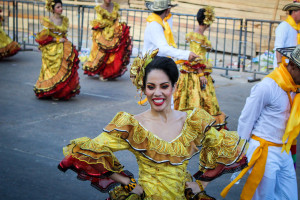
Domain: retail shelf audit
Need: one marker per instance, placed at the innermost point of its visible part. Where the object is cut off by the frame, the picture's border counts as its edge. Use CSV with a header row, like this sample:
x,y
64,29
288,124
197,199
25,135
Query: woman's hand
x,y
57,40
203,80
138,190
194,186
192,56
124,180
62,40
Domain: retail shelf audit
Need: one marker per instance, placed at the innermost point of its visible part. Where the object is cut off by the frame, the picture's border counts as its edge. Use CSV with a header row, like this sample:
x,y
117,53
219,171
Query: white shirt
x,y
266,112
154,38
285,36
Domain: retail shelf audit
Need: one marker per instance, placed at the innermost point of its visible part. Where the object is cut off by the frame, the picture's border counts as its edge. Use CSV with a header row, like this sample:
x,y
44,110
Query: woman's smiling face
x,y
158,90
58,8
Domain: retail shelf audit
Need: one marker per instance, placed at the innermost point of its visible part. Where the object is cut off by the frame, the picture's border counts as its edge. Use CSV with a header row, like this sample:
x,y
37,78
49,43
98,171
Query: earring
x,y
144,101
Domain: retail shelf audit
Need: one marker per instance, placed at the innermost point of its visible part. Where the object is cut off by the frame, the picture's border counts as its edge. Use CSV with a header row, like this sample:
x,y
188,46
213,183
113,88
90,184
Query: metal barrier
x,y
8,14
258,46
231,51
28,21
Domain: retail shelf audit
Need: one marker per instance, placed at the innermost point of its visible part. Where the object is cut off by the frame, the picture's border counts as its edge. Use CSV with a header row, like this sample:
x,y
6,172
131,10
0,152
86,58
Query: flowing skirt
x,y
189,95
109,58
8,47
58,77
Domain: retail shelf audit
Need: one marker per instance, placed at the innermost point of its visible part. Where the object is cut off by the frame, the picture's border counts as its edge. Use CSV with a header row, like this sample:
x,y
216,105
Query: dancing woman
x,y
8,47
58,77
195,85
111,47
162,140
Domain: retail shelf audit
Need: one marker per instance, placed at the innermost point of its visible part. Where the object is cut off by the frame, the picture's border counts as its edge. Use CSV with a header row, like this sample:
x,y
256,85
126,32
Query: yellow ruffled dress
x,y
189,93
8,47
111,48
58,77
162,165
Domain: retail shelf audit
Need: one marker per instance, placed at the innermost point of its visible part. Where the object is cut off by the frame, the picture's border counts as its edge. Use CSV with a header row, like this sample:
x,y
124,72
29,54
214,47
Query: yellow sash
x,y
258,162
293,24
283,78
167,29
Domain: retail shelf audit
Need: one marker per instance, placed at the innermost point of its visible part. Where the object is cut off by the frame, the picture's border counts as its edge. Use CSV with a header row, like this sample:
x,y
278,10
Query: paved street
x,y
33,132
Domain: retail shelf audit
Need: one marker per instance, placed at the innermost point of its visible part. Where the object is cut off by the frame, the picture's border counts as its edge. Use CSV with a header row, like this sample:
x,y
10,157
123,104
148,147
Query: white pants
x,y
279,181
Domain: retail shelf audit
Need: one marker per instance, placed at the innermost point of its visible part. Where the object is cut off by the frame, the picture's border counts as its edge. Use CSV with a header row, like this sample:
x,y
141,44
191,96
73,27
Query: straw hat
x,y
295,56
159,5
292,6
292,53
170,4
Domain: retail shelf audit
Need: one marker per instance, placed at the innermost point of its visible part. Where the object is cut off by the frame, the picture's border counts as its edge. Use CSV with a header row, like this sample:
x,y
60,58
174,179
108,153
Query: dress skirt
x,y
58,77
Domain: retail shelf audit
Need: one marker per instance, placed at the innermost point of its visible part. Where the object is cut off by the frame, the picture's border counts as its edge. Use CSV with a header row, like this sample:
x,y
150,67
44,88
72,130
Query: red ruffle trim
x,y
10,50
67,89
45,41
95,173
122,56
186,72
15,51
96,28
221,169
196,66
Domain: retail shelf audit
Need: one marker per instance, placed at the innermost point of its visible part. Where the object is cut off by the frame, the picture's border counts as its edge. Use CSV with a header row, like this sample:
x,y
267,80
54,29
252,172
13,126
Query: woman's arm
x,y
44,37
195,186
203,80
126,181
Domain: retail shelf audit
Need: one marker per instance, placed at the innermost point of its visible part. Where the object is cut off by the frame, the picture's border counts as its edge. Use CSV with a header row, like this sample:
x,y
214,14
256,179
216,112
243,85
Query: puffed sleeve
x,y
221,152
44,37
93,159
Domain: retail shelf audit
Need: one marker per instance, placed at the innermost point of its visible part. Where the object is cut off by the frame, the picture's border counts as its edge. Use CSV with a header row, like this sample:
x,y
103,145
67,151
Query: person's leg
x,y
265,189
286,184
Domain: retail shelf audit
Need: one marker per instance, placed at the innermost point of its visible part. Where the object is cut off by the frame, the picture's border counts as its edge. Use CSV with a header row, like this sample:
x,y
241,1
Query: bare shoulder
x,y
142,116
180,116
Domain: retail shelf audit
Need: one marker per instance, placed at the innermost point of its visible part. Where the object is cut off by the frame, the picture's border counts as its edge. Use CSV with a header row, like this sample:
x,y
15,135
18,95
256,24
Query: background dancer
x,y
8,47
162,139
112,45
58,77
195,87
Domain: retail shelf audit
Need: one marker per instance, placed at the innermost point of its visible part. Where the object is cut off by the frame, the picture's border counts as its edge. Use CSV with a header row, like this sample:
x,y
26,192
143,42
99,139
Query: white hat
x,y
292,6
159,5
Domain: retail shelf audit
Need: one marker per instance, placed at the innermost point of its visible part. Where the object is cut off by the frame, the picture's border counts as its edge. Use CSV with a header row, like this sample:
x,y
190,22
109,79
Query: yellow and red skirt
x,y
109,58
58,77
8,47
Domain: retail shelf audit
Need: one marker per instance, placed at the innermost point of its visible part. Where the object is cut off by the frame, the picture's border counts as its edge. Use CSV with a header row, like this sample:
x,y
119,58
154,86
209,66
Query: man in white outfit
x,y
158,33
270,121
287,31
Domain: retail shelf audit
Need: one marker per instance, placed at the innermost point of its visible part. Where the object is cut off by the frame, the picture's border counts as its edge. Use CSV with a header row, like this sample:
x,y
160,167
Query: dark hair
x,y
160,12
290,12
167,65
201,16
56,2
